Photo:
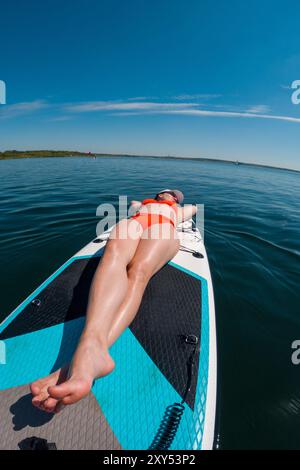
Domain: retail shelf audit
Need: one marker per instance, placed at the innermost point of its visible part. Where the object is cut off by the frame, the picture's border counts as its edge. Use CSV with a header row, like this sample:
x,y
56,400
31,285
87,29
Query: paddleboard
x,y
162,393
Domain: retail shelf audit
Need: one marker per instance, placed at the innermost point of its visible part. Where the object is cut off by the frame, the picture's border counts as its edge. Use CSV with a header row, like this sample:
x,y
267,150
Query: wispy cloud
x,y
19,109
228,114
143,107
126,106
197,96
142,98
258,109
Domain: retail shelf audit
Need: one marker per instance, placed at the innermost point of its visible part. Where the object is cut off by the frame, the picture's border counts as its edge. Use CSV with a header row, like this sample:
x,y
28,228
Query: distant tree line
x,y
41,153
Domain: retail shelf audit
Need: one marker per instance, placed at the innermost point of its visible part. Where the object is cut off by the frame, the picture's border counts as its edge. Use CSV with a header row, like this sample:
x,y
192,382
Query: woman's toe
x,y
50,404
38,399
35,388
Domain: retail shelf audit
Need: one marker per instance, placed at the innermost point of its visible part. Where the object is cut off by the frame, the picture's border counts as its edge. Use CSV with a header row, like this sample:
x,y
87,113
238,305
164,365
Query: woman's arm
x,y
186,212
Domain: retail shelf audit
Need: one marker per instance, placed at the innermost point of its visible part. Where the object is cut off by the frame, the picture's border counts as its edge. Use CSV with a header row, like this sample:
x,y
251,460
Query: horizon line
x,y
90,154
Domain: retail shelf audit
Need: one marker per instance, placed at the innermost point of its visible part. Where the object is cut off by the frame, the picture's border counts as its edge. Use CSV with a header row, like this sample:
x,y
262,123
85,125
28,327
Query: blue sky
x,y
187,78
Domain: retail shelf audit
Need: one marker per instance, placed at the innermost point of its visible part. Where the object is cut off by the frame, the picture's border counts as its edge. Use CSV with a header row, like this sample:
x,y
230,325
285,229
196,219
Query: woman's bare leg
x,y
110,282
69,385
150,256
91,358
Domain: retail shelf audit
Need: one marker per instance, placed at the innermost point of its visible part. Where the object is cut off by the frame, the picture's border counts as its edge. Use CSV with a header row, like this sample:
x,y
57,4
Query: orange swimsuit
x,y
146,220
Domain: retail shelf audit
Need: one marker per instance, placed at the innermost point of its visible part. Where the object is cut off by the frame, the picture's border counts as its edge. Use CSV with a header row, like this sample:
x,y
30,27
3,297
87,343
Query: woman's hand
x,y
186,212
134,207
133,203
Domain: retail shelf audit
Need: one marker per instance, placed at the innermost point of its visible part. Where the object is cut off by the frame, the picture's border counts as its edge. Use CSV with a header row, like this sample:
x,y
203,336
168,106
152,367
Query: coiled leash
x,y
173,413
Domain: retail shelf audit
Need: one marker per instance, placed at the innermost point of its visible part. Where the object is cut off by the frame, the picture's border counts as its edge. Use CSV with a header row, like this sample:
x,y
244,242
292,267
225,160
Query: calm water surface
x,y
47,213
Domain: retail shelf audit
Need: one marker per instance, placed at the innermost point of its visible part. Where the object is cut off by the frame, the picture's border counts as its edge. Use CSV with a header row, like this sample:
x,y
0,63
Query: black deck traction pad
x,y
171,308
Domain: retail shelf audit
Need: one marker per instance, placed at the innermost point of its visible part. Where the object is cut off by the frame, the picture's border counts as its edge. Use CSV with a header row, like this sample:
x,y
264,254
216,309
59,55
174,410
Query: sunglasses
x,y
172,194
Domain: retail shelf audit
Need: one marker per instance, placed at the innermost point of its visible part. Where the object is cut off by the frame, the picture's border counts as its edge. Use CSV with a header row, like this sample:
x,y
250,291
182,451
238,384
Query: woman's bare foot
x,y
71,383
39,388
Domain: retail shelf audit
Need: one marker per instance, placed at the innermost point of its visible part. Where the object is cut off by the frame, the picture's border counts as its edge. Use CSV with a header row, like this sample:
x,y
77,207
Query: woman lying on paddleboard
x,y
137,248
